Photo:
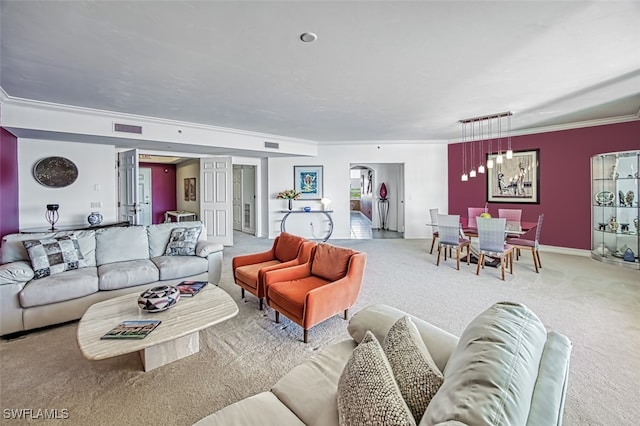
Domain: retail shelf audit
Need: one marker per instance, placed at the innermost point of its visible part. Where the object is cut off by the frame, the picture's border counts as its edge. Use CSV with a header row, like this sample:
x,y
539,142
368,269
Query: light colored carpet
x,y
597,306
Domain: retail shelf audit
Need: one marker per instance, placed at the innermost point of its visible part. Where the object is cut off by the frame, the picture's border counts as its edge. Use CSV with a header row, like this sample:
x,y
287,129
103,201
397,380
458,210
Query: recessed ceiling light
x,y
308,37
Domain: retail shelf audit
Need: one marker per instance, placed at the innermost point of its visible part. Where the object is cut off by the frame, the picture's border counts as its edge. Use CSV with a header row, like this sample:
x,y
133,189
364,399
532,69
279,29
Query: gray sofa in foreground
x,y
115,261
505,369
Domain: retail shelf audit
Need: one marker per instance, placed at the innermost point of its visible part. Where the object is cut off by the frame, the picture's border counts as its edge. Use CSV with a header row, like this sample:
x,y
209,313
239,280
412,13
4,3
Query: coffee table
x,y
175,338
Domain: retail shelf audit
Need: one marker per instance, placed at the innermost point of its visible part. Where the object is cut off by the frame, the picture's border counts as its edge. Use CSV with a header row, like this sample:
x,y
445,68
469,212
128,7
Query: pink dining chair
x,y
527,244
472,214
514,220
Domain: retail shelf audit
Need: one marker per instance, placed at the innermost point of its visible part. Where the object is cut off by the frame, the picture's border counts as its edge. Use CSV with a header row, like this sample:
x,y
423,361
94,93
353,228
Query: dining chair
x,y
514,220
433,213
449,237
527,244
472,214
491,242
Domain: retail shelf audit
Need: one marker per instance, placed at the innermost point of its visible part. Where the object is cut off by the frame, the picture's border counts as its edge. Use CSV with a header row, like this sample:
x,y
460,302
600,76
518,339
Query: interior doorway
x,y
366,205
244,199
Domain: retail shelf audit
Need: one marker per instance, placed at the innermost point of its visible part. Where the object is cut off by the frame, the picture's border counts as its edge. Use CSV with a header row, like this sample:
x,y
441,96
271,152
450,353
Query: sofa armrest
x,y
205,248
379,319
16,272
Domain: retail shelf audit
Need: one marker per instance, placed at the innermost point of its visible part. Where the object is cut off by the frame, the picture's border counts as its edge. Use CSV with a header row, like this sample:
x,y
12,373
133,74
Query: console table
x,y
327,213
72,227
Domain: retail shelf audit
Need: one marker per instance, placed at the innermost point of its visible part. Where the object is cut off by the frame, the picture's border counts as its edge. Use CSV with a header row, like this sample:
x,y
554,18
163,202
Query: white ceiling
x,y
380,70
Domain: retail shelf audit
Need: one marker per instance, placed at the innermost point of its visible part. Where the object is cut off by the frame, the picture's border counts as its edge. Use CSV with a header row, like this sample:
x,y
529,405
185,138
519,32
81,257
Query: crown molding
x,y
137,119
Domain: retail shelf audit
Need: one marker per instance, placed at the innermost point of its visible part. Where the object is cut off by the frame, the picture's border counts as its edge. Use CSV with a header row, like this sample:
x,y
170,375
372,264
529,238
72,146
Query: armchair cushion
x,y
248,274
287,247
367,391
331,262
291,295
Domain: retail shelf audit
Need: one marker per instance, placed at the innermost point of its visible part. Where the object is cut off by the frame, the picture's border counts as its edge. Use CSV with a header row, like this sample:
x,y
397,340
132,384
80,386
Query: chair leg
x,y
439,251
502,262
346,314
261,302
510,258
458,258
480,260
468,255
535,260
433,242
242,292
277,317
538,256
306,335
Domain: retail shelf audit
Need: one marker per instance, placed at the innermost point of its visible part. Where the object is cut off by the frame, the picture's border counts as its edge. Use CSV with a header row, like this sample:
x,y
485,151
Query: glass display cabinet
x,y
615,187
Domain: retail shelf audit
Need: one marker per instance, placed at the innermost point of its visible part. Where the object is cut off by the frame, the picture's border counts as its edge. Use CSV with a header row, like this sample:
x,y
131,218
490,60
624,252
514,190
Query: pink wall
x,y
9,220
565,180
163,189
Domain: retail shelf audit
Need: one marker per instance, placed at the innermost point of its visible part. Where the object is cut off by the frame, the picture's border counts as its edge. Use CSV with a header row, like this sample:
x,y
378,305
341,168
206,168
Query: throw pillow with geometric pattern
x,y
416,373
367,391
54,255
183,241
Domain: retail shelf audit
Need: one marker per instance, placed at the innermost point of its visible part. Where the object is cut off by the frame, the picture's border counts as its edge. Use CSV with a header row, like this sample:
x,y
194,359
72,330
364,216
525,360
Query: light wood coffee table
x,y
175,338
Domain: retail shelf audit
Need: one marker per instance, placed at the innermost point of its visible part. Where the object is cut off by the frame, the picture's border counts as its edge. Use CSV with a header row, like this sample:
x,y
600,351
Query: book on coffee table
x,y
135,329
190,288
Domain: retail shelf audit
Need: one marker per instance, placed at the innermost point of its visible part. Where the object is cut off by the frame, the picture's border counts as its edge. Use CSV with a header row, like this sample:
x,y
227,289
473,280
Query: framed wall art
x,y
308,181
190,189
516,180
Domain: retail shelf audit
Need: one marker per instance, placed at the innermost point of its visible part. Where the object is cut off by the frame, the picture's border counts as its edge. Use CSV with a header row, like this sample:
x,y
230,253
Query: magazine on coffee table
x,y
190,288
135,329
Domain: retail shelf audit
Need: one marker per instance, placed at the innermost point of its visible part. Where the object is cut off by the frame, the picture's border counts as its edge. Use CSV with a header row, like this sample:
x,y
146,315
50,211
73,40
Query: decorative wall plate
x,y
604,197
55,172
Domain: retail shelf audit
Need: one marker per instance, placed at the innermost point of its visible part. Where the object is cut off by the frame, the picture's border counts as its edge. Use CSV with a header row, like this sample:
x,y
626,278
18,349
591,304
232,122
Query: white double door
x,y
215,195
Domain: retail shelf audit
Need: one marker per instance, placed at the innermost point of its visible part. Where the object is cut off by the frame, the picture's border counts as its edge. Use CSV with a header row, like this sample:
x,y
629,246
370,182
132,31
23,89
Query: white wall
x,y
95,183
425,182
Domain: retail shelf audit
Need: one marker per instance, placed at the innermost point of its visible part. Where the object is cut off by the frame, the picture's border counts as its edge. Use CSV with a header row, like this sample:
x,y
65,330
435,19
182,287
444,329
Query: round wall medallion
x,y
55,172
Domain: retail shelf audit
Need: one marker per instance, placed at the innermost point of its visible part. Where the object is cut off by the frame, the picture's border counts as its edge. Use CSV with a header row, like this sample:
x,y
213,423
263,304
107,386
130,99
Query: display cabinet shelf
x,y
615,188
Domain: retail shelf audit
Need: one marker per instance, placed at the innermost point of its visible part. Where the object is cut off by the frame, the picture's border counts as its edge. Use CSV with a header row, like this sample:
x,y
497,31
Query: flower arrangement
x,y
289,194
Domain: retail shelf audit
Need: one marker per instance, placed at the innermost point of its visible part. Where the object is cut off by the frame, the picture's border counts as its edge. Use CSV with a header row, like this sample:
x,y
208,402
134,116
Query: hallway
x,y
361,229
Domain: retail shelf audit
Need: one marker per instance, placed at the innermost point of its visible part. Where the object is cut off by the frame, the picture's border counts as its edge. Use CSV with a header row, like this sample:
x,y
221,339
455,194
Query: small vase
x,y
290,204
95,218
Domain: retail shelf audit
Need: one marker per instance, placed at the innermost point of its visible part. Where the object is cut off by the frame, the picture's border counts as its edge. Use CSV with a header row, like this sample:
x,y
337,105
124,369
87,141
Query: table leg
x,y
164,353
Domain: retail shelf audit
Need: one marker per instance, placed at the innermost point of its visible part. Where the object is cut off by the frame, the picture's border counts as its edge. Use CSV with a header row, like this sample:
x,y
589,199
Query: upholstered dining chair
x,y
491,242
472,214
449,238
514,217
433,213
527,244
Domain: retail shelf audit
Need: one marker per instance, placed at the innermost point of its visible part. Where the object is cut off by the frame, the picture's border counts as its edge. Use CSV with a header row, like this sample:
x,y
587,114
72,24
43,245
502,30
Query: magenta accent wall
x,y
565,180
163,189
9,216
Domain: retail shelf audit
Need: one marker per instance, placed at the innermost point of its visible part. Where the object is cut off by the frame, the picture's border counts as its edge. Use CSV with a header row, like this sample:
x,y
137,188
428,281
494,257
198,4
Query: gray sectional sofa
x,y
115,261
504,369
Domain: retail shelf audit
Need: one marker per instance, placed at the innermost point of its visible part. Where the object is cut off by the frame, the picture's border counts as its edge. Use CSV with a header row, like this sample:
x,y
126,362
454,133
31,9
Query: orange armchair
x,y
287,250
314,291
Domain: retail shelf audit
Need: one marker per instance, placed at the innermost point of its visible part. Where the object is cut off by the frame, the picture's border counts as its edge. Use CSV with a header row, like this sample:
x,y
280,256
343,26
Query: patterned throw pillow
x,y
416,373
54,255
182,241
367,391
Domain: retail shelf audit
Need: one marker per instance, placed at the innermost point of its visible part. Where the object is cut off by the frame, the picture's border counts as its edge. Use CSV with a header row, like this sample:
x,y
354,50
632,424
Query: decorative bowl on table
x,y
158,299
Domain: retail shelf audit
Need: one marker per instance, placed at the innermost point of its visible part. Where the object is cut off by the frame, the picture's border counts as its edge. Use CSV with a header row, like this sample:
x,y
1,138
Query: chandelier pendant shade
x,y
499,157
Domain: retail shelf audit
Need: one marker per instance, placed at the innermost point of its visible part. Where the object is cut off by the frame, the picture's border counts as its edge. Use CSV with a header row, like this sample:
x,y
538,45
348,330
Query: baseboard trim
x,y
565,250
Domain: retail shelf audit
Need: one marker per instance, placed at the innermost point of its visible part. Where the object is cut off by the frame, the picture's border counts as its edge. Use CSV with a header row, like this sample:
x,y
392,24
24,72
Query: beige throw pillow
x,y
367,391
414,370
